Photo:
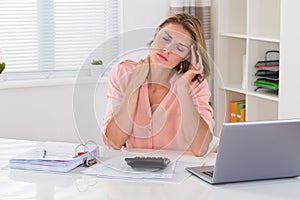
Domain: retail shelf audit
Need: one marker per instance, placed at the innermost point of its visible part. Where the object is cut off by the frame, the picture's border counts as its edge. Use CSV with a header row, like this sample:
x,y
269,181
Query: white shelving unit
x,y
245,30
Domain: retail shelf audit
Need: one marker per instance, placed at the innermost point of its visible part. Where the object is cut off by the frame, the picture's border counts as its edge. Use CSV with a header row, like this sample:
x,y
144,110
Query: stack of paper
x,y
52,156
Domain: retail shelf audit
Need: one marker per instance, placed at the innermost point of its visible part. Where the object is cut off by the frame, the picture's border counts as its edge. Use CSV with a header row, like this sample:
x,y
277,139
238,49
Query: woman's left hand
x,y
196,67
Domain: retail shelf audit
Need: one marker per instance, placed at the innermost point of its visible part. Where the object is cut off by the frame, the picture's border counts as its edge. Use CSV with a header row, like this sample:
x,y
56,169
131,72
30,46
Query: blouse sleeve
x,y
200,94
117,83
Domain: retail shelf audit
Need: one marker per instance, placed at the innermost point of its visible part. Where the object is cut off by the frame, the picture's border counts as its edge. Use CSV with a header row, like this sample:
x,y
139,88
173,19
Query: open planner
x,y
56,156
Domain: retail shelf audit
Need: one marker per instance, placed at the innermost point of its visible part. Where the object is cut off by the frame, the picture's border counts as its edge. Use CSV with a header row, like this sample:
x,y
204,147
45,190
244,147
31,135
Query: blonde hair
x,y
195,28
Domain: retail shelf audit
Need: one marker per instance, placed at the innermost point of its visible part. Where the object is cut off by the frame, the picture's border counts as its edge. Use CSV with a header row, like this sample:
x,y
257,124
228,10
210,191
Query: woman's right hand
x,y
139,73
120,127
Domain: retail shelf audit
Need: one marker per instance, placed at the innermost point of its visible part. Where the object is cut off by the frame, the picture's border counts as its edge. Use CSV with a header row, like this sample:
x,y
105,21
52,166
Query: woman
x,y
162,102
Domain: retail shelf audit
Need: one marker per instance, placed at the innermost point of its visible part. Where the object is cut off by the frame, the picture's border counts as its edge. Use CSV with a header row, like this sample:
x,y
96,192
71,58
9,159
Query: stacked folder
x,y
238,111
267,74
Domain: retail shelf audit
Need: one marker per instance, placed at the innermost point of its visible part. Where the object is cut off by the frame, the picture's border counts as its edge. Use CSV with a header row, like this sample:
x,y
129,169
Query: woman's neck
x,y
159,75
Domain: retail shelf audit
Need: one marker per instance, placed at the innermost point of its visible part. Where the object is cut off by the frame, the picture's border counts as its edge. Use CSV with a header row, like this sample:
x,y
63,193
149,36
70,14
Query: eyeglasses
x,y
164,40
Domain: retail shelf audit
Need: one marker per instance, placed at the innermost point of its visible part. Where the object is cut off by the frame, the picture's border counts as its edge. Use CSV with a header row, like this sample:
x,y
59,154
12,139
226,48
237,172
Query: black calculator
x,y
148,162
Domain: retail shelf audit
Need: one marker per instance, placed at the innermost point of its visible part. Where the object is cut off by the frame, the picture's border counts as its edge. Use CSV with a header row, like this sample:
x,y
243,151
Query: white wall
x,y
143,14
47,113
139,21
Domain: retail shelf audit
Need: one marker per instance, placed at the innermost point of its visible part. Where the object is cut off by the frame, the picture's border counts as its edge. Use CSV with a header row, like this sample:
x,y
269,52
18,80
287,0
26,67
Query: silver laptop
x,y
255,151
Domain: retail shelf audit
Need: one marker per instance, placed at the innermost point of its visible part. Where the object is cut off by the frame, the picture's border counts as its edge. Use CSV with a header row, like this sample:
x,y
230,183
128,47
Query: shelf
x,y
264,18
235,88
233,16
261,109
246,30
233,35
271,97
266,39
231,97
231,61
256,52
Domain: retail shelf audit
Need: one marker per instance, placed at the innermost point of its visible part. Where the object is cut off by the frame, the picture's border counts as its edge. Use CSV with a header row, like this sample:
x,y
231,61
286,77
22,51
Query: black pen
x,y
45,153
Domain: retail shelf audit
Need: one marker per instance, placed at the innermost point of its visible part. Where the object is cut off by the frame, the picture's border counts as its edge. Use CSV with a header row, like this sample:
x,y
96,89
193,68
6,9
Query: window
x,y
54,36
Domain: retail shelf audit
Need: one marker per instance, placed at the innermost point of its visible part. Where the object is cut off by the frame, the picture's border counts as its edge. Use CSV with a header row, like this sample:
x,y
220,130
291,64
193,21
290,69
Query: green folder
x,y
239,107
266,84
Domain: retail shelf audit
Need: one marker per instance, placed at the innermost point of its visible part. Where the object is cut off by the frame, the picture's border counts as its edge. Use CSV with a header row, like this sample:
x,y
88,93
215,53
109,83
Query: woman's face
x,y
171,45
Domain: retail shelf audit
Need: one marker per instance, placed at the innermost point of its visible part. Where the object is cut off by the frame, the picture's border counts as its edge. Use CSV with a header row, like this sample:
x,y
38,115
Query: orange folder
x,y
235,111
243,114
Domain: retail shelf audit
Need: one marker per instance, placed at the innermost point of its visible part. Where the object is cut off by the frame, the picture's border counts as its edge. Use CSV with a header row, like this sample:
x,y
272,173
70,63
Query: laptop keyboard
x,y
209,173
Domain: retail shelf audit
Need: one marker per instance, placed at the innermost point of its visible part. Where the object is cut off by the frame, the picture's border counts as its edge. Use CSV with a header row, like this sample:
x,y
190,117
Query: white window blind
x,y
55,35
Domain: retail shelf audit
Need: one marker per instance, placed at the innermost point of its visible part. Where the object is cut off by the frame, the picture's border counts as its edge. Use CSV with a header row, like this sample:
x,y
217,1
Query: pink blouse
x,y
162,128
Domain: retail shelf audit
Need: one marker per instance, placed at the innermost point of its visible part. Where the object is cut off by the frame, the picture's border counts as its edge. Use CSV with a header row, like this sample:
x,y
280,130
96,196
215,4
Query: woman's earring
x,y
180,68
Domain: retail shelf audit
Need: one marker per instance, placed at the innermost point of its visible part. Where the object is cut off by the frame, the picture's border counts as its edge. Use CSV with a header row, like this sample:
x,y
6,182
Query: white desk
x,y
22,184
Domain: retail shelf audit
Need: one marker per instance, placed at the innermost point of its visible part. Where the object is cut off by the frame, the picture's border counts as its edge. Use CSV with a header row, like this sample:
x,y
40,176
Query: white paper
x,y
117,168
55,151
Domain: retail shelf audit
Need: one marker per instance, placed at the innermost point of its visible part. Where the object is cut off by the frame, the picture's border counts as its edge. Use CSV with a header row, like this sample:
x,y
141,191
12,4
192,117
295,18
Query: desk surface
x,y
23,184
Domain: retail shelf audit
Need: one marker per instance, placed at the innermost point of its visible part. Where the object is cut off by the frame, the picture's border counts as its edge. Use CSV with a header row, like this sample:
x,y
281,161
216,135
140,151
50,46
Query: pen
x,y
45,153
